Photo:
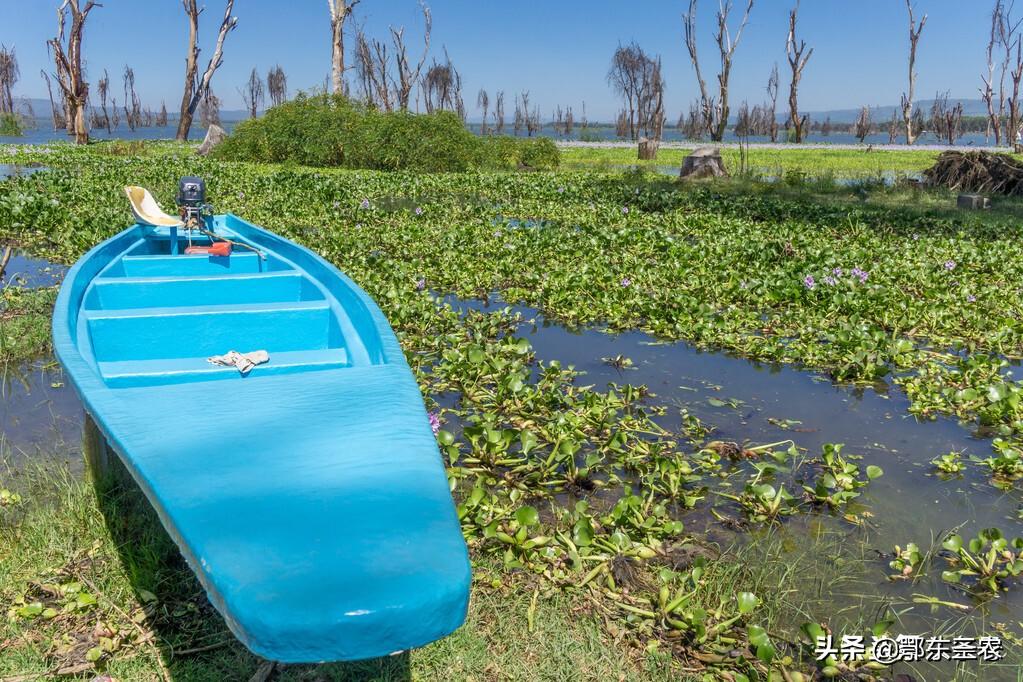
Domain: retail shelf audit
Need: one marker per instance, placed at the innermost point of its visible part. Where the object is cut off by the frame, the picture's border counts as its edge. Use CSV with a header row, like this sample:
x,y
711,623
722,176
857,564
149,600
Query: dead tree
x,y
499,112
68,59
55,111
209,110
1013,63
277,85
570,121
987,93
373,71
715,111
861,128
797,62
103,88
408,76
518,119
161,118
9,75
196,87
893,127
253,94
115,116
772,94
636,78
907,97
483,102
132,104
442,87
340,10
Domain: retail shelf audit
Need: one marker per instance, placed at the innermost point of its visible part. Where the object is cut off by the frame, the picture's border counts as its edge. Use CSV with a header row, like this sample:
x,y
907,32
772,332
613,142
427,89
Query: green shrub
x,y
10,125
329,130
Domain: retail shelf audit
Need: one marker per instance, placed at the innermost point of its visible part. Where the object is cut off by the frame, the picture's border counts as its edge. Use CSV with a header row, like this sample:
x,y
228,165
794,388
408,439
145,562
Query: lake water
x,y
43,132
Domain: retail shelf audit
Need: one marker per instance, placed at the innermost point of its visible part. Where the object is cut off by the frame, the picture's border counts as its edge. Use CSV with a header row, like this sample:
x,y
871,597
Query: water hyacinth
x,y
859,274
626,282
364,204
829,280
809,282
950,265
418,211
420,284
625,210
837,272
434,423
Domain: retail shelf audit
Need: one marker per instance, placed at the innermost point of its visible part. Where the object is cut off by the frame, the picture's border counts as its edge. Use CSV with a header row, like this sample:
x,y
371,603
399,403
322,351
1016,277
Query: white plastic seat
x,y
147,211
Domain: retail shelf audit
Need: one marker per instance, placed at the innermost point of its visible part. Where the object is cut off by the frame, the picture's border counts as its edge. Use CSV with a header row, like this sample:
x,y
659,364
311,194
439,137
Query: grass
x,y
816,161
25,323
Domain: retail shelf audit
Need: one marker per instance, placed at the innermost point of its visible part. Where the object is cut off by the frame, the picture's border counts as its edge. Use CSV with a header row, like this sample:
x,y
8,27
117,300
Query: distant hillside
x,y
971,107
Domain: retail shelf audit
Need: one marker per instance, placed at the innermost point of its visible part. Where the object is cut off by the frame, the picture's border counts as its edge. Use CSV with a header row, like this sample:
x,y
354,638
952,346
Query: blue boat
x,y
307,494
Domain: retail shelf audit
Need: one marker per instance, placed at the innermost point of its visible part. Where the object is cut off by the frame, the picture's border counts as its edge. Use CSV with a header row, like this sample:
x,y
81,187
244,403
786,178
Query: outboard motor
x,y
191,200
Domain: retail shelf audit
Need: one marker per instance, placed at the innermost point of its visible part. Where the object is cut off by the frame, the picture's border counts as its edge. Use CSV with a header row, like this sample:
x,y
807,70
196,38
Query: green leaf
x,y
716,402
445,437
950,576
953,543
874,471
747,602
527,516
94,654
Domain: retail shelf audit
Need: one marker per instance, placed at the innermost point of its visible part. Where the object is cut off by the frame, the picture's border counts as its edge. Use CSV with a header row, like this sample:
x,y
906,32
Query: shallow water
x,y
40,416
10,170
32,273
908,504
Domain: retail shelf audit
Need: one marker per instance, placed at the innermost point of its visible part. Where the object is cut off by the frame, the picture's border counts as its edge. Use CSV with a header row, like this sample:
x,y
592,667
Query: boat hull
x,y
309,496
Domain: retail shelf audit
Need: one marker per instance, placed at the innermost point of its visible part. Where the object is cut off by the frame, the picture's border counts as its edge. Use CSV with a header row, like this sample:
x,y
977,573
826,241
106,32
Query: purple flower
x,y
241,195
434,423
337,205
971,298
809,282
358,226
625,210
626,282
950,265
418,211
860,274
837,272
420,284
364,204
830,281
560,190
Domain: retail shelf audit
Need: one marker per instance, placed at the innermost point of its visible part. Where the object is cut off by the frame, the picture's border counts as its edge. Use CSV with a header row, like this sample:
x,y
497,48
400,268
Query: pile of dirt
x,y
977,171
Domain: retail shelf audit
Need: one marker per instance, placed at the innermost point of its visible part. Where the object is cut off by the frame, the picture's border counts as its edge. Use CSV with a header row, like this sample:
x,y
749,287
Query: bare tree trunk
x,y
58,118
797,62
407,76
499,112
195,87
716,115
69,65
987,92
339,12
907,98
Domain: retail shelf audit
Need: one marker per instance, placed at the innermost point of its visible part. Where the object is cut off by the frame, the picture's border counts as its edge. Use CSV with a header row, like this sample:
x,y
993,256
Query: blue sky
x,y
558,51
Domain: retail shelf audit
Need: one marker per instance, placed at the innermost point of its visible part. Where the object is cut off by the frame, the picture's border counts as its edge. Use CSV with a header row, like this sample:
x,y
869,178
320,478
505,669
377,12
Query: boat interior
x,y
154,315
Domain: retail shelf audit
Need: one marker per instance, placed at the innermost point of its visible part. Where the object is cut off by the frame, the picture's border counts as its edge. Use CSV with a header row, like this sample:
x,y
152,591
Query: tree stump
x,y
703,163
214,136
972,202
648,149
